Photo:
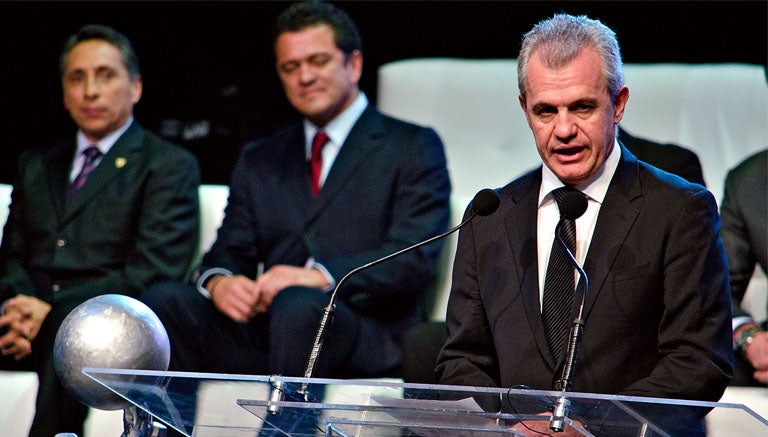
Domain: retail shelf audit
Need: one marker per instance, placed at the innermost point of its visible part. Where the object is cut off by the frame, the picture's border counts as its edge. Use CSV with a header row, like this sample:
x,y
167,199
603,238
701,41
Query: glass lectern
x,y
207,405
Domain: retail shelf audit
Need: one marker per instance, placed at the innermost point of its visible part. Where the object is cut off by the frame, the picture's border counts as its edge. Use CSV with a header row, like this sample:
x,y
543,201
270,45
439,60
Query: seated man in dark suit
x,y
423,341
304,212
110,209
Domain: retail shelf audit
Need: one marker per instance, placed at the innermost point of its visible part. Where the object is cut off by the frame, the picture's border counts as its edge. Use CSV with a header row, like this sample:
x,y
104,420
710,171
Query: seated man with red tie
x,y
299,219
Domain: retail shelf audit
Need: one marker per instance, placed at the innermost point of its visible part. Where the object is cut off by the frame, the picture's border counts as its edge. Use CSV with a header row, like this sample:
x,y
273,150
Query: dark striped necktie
x,y
559,284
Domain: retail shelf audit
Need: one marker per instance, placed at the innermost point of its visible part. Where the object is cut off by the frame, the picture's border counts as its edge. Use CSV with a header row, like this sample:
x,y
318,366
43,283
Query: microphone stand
x,y
318,343
557,422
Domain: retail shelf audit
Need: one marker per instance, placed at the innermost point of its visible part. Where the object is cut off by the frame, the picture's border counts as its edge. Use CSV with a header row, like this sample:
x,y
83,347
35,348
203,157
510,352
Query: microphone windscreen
x,y
573,205
486,202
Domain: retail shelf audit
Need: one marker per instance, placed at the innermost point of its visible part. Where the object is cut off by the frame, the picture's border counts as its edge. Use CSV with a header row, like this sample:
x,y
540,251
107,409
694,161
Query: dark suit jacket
x,y
387,189
744,212
668,157
133,223
658,309
423,342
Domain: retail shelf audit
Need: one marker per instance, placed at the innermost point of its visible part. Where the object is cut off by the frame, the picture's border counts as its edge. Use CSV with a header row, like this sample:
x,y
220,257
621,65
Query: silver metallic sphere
x,y
108,331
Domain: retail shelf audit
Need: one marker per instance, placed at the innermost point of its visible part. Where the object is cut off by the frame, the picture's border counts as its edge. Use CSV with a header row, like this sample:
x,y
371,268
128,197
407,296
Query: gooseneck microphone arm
x,y
485,202
572,207
566,379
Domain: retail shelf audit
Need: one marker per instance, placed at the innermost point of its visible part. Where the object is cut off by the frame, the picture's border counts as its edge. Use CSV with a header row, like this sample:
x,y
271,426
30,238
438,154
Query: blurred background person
x,y
344,186
744,212
111,209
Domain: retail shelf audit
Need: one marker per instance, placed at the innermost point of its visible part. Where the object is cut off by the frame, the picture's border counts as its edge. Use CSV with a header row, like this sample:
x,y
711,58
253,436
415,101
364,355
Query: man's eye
x,y
546,111
289,68
320,60
583,107
106,74
74,78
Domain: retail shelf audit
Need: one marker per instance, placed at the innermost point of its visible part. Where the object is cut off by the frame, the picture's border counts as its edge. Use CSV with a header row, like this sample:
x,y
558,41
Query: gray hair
x,y
559,39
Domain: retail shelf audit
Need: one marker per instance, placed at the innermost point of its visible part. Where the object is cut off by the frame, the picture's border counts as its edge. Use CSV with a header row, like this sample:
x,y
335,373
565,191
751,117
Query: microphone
x,y
485,202
571,207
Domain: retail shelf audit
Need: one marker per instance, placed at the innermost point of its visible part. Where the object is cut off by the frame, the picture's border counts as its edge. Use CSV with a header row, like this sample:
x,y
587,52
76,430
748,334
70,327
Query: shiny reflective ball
x,y
108,331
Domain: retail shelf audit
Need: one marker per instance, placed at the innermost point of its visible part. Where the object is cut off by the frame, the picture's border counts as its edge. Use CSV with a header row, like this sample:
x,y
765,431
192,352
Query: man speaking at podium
x,y
311,211
657,310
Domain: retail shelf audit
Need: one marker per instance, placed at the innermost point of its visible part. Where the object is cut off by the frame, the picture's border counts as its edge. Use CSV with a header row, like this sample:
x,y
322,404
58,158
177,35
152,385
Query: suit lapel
x,y
364,138
617,214
522,228
124,154
614,222
295,165
57,166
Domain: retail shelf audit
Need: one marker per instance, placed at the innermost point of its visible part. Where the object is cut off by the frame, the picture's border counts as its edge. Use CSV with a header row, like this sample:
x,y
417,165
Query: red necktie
x,y
91,154
316,162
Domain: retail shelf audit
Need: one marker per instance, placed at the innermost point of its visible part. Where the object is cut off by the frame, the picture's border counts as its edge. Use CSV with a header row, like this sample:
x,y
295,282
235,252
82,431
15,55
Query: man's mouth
x,y
570,151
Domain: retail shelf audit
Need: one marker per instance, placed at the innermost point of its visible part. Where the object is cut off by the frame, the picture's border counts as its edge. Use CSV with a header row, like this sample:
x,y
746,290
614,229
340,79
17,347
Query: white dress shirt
x,y
549,214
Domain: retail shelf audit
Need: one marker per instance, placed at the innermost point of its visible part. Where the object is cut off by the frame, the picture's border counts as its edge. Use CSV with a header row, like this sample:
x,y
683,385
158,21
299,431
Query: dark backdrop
x,y
209,80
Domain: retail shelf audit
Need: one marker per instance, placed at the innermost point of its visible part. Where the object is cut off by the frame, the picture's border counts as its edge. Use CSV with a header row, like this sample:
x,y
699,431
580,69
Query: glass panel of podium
x,y
215,405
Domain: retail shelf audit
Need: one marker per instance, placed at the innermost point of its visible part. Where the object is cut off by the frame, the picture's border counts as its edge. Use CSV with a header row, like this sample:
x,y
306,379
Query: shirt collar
x,y
338,129
103,144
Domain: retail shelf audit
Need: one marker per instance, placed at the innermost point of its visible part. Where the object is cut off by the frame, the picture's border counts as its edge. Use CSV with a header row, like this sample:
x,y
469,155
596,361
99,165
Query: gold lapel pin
x,y
120,162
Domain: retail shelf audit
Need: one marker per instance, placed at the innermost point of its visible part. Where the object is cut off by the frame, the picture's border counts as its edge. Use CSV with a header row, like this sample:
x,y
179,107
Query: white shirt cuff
x,y
312,264
203,278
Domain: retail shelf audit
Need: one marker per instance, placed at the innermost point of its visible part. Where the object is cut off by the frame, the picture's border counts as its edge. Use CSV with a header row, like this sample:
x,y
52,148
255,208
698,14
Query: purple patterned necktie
x,y
91,154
